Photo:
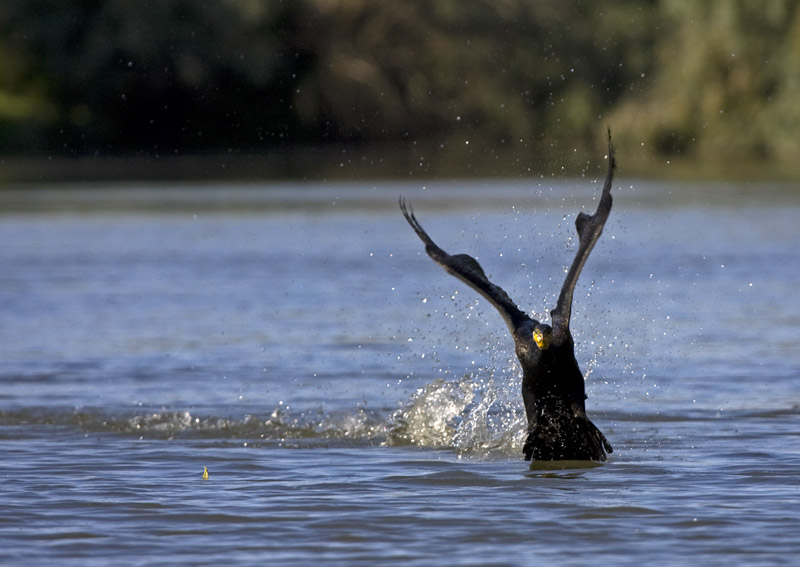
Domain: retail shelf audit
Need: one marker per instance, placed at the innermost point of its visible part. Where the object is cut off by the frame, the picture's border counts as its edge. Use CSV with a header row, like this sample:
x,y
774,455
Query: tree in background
x,y
153,76
172,76
727,86
182,75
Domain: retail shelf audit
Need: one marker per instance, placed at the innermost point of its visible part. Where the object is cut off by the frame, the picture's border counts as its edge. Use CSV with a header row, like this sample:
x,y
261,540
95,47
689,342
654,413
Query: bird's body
x,y
552,383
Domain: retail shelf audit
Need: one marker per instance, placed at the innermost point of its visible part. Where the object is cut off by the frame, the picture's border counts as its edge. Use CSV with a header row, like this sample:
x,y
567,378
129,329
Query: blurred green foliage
x,y
716,80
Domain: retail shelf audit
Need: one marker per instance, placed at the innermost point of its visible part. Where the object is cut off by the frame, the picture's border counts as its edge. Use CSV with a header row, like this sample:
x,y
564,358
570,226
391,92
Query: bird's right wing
x,y
467,269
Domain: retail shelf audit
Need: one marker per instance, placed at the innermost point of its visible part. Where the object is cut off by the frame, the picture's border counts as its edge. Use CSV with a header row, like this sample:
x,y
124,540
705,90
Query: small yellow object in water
x,y
205,473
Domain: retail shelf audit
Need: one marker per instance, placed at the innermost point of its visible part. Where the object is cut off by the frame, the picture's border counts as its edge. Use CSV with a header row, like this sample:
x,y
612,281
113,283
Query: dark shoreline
x,y
406,160
359,163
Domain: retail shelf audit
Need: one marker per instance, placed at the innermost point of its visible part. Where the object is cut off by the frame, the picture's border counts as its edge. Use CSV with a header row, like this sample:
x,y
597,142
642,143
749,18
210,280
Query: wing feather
x,y
589,227
468,270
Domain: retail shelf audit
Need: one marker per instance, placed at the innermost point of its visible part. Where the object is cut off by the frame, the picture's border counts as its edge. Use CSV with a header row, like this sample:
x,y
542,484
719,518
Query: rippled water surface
x,y
355,405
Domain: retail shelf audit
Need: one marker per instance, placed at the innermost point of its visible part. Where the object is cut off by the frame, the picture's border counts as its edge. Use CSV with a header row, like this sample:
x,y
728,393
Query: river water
x,y
355,405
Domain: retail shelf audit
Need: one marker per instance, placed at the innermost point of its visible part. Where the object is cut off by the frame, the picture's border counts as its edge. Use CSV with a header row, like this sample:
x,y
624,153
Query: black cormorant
x,y
552,383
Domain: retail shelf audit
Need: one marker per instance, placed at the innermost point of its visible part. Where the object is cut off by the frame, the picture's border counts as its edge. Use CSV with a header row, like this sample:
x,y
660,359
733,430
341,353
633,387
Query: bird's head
x,y
542,335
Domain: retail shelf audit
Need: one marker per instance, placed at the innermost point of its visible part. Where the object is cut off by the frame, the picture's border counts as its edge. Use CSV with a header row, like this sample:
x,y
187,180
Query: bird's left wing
x,y
590,227
467,269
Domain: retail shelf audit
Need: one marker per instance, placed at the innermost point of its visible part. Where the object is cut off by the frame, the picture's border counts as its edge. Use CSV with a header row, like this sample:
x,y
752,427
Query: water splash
x,y
430,418
477,416
473,416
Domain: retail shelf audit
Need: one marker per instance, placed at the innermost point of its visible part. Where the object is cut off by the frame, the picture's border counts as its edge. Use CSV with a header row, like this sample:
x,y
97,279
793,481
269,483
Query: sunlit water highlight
x,y
354,405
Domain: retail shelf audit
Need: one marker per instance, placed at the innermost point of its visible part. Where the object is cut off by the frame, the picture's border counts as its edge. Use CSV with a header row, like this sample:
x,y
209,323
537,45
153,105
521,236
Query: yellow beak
x,y
542,340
